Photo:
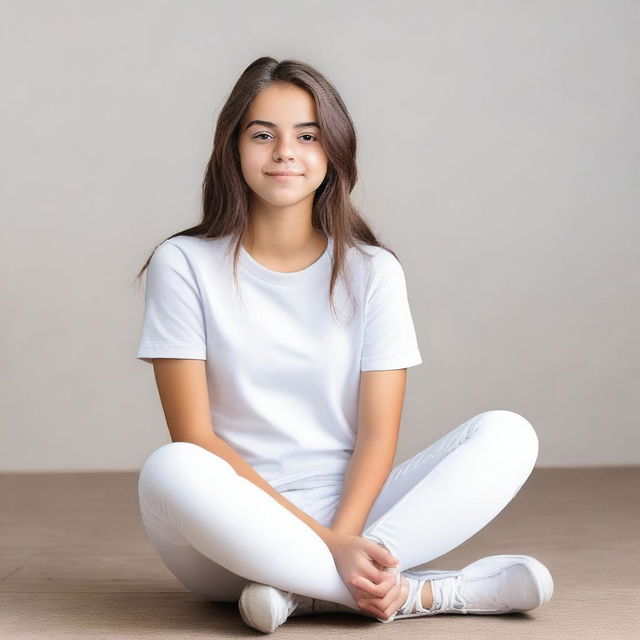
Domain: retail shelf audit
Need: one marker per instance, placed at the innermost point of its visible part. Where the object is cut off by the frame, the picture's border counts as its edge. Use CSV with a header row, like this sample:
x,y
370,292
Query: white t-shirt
x,y
283,374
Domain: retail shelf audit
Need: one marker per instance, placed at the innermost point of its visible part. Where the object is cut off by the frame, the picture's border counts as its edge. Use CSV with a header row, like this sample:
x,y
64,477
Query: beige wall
x,y
498,156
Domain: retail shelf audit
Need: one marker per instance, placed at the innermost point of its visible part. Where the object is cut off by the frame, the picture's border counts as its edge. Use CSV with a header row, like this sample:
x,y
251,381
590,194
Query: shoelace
x,y
415,589
449,593
446,594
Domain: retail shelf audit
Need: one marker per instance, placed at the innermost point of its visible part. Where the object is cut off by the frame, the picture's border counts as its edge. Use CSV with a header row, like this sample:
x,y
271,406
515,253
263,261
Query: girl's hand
x,y
368,571
382,600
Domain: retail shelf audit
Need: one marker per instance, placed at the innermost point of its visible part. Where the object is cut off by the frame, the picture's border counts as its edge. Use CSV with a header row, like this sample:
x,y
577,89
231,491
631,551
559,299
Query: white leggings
x,y
215,530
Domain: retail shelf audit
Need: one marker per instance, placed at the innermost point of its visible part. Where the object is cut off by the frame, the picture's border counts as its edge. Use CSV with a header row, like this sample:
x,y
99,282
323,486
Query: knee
x,y
170,464
513,433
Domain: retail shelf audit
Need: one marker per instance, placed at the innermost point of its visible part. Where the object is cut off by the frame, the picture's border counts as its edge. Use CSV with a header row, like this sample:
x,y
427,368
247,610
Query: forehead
x,y
283,104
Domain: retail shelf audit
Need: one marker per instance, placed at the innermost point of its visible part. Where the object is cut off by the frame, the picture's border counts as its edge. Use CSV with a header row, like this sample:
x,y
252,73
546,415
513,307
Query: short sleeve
x,y
173,325
390,340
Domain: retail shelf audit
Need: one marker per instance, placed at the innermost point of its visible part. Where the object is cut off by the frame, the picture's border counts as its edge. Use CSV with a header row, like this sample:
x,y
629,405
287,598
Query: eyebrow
x,y
273,125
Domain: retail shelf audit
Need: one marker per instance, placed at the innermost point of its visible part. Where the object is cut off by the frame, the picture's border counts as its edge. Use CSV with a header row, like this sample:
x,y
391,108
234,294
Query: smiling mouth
x,y
283,178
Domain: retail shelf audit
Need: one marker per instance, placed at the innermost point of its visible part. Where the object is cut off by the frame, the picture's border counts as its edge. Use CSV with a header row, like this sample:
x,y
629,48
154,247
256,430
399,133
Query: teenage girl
x,y
280,334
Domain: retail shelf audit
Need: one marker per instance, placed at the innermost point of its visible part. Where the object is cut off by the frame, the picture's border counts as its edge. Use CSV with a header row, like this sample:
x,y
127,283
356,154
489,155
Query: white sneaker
x,y
492,585
265,608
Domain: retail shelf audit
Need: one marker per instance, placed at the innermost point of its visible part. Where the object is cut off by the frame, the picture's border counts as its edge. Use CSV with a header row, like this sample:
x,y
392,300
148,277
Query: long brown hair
x,y
225,193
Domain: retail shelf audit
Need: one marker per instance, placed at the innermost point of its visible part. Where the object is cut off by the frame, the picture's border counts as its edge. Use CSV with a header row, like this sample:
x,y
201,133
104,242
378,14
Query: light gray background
x,y
498,155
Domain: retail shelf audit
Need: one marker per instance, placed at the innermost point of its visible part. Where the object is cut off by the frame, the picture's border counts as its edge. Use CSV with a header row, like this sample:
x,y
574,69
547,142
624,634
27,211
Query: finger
x,y
377,590
389,571
375,575
369,587
391,602
370,609
386,593
383,572
383,555
390,594
396,604
398,601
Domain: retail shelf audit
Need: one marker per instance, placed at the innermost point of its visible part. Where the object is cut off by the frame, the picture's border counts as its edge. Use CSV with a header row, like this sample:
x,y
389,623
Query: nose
x,y
283,149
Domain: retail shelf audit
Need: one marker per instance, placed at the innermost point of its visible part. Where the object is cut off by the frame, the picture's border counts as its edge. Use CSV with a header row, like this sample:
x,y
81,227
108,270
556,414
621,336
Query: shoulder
x,y
185,245
181,251
171,248
380,262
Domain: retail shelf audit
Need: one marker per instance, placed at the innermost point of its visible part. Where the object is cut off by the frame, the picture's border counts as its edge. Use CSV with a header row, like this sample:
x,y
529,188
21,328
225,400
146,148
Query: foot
x,y
265,608
492,585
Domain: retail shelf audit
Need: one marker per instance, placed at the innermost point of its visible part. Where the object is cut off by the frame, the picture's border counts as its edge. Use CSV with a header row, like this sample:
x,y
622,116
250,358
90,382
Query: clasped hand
x,y
368,570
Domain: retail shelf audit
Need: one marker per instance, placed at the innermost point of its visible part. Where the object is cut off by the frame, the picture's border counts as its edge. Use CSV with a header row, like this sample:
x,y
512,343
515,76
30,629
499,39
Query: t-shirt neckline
x,y
315,269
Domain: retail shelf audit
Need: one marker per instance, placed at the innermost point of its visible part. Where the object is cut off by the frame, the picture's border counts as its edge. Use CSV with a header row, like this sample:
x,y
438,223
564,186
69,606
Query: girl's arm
x,y
380,403
182,385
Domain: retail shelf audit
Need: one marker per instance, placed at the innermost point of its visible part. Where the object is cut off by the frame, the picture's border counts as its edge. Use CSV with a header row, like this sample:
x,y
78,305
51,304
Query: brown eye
x,y
304,135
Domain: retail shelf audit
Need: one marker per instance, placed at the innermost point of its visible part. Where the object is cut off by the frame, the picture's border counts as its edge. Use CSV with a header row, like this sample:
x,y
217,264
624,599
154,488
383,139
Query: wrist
x,y
333,537
347,530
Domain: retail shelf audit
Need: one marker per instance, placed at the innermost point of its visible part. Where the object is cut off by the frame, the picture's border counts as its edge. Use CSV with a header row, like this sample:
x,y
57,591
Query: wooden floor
x,y
75,562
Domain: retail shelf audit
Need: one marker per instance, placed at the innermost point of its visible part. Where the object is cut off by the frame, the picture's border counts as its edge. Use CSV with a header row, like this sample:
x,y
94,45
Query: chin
x,y
287,200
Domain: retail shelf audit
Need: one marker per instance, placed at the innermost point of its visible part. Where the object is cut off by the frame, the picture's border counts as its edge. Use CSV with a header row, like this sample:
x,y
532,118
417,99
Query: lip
x,y
284,177
283,173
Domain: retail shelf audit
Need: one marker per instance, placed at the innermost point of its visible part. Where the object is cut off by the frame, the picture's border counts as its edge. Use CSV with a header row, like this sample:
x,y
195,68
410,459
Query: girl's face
x,y
283,140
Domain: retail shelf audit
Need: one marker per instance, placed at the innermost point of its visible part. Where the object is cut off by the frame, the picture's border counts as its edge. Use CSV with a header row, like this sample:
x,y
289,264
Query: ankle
x,y
417,600
426,595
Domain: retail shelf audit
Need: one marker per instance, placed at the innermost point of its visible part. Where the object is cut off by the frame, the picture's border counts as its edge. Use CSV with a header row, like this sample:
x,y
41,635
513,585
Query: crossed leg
x,y
215,530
